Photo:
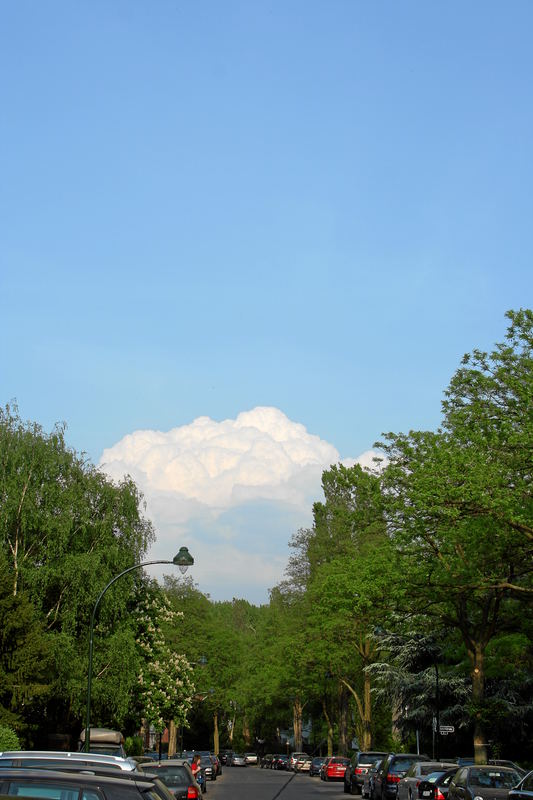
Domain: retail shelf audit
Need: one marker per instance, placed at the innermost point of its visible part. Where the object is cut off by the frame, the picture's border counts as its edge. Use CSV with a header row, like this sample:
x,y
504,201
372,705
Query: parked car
x,y
524,790
335,768
55,785
359,766
251,758
408,785
238,760
316,763
304,764
177,776
294,758
279,761
390,773
435,785
485,781
368,779
324,767
224,756
152,776
50,758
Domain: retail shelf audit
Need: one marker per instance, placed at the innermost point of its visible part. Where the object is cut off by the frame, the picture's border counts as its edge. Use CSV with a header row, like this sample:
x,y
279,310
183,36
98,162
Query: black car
x,y
485,781
368,780
225,756
56,785
279,761
360,764
435,786
316,763
391,771
177,776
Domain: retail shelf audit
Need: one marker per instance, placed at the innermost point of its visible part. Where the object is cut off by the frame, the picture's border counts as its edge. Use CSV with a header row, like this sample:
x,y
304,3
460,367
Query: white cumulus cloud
x,y
233,491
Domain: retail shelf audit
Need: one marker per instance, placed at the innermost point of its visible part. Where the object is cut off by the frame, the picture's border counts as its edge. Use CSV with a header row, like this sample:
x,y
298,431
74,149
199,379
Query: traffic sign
x,y
445,729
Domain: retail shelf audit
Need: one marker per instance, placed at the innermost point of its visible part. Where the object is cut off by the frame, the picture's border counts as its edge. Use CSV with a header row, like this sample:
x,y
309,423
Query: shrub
x,y
8,739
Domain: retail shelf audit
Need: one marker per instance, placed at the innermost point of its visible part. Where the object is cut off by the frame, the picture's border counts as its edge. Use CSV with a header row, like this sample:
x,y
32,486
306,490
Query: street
x,y
252,783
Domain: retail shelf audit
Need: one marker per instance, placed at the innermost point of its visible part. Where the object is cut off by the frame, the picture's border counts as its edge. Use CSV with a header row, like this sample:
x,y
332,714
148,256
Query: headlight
x,y
478,797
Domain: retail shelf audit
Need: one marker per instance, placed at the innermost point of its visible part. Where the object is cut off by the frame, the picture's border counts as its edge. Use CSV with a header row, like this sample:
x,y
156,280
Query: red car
x,y
335,768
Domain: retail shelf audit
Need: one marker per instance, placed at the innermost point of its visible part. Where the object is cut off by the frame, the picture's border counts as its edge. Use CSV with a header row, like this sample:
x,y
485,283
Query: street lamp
x,y
183,560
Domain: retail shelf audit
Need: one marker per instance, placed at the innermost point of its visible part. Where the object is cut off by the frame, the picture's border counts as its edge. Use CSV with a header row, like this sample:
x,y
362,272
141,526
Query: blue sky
x,y
208,207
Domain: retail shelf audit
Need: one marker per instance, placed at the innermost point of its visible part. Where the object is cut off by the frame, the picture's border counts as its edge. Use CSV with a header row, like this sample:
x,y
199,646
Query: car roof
x,y
68,755
73,776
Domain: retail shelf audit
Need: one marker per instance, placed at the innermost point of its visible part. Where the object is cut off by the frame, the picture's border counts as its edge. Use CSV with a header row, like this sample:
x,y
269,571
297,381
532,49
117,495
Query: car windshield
x,y
493,778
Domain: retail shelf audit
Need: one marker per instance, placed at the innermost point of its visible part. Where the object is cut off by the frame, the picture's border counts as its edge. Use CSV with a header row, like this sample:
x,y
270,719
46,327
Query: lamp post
x,y
183,560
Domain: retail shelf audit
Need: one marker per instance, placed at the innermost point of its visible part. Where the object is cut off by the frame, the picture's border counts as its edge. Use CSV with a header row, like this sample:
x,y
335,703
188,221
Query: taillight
x,y
359,771
438,794
391,778
192,793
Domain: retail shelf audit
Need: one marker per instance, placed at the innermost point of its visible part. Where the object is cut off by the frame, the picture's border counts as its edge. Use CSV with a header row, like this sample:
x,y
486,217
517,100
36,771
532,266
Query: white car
x,y
251,758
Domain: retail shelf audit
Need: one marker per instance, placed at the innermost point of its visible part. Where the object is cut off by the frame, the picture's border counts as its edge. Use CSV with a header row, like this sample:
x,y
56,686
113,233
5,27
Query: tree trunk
x,y
231,728
216,743
367,713
172,737
343,720
246,731
477,661
297,713
330,728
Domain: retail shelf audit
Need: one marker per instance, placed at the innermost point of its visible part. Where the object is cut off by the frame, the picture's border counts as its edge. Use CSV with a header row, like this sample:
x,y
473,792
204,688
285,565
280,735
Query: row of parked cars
x,y
69,775
296,762
411,776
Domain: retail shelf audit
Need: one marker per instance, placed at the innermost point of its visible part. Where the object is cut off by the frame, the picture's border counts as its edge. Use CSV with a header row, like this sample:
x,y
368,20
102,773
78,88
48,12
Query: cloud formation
x,y
233,491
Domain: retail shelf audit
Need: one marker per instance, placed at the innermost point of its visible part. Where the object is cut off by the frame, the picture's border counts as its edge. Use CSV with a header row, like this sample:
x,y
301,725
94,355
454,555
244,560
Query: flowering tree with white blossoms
x,y
166,687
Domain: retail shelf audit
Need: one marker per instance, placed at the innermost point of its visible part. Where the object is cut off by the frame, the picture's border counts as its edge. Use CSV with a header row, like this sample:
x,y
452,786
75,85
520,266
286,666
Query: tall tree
x,y
460,503
65,531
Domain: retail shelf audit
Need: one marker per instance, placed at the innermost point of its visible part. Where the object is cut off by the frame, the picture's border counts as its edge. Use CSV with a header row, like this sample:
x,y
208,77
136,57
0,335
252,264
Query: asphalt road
x,y
253,783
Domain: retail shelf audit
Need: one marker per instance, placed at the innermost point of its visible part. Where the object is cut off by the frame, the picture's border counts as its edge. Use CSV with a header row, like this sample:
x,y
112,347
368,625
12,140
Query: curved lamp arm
x,y
183,560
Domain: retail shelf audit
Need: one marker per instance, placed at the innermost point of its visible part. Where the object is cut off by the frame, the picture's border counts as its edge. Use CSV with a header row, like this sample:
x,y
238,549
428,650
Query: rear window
x,y
493,778
344,761
369,758
401,764
173,776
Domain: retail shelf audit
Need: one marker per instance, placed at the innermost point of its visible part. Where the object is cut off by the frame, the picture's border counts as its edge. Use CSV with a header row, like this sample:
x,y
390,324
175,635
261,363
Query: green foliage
x,y
134,746
25,654
65,531
8,739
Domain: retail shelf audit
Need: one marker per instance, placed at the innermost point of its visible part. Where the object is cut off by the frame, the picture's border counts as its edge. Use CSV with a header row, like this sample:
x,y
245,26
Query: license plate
x,y
427,793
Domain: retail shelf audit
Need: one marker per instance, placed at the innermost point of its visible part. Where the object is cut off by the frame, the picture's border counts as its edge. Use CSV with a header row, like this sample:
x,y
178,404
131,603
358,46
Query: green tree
x,y
65,531
460,504
25,657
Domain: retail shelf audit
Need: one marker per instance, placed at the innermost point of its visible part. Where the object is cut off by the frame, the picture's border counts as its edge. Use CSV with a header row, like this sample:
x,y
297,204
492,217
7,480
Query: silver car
x,y
51,758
